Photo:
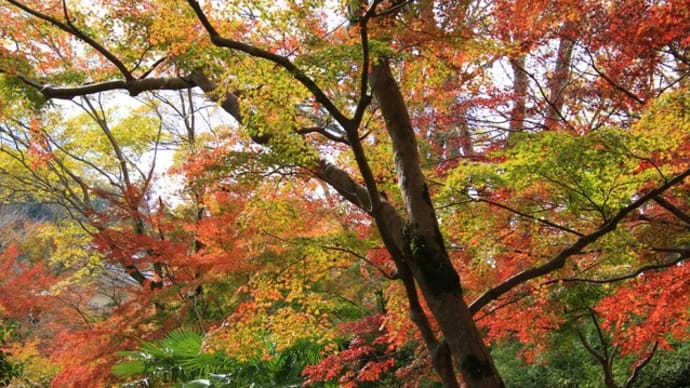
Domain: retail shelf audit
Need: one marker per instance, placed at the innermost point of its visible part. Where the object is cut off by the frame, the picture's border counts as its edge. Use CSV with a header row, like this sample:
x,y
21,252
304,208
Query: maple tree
x,y
516,168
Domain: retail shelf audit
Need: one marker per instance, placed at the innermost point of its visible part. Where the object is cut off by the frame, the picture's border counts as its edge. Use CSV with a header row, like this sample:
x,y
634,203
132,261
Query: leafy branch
x,y
559,260
70,28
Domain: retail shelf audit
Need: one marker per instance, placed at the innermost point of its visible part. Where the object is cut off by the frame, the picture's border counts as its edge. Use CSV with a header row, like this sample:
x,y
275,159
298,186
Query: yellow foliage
x,y
37,370
69,251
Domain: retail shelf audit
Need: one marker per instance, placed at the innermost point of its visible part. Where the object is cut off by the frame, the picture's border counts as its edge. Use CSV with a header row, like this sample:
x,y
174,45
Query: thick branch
x,y
71,29
390,227
441,357
652,267
672,209
344,184
558,261
560,79
279,60
228,101
355,193
325,133
425,251
133,86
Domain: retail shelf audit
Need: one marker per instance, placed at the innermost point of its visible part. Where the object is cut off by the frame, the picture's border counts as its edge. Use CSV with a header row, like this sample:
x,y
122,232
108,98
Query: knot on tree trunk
x,y
432,263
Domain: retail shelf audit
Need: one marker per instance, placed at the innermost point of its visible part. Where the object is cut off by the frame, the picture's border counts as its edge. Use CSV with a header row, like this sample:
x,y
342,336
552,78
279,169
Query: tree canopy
x,y
355,193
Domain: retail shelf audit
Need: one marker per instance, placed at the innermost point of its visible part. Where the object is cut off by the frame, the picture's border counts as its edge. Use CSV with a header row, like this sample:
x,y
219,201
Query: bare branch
x,y
602,338
642,364
323,132
613,83
548,101
529,216
393,9
364,259
646,268
364,96
589,348
153,66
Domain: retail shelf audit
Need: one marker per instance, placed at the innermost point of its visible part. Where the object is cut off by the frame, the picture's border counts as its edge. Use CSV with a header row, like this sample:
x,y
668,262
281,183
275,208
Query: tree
x,y
522,216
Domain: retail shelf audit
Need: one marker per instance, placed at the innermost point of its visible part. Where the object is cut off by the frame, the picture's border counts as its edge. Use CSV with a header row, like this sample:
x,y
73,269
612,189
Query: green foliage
x,y
567,365
174,358
8,368
591,173
180,358
18,93
664,125
667,369
241,244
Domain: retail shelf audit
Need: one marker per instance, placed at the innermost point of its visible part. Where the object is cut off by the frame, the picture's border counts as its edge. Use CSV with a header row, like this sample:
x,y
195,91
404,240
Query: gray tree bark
x,y
424,250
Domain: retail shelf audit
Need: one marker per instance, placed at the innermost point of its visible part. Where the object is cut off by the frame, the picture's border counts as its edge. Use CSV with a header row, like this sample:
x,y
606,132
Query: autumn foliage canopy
x,y
343,193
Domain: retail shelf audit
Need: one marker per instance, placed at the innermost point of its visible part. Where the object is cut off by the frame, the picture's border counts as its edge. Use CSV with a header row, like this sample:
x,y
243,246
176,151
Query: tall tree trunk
x,y
424,249
559,81
520,83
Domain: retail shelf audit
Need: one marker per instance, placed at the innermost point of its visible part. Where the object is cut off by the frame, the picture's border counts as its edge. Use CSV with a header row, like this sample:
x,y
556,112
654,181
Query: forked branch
x,y
559,260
